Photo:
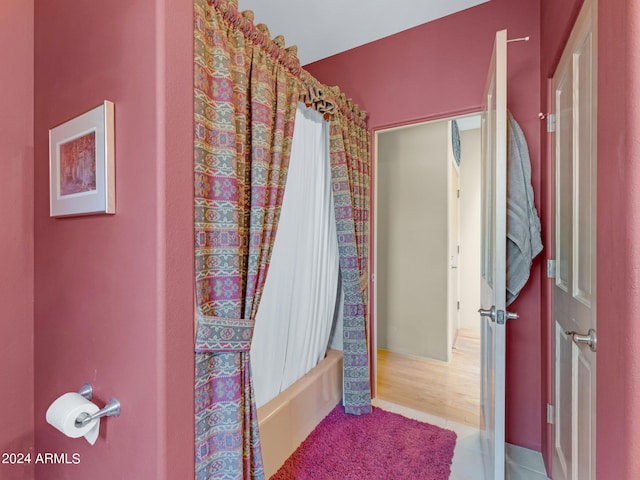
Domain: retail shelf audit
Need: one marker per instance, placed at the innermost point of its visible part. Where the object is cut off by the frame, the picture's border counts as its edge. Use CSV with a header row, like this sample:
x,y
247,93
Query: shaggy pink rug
x,y
378,446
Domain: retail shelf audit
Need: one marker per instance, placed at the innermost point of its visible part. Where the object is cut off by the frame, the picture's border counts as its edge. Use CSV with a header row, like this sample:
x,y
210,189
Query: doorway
x,y
427,268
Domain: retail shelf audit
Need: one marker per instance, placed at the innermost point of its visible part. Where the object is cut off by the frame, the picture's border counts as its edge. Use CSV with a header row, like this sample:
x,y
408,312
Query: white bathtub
x,y
289,418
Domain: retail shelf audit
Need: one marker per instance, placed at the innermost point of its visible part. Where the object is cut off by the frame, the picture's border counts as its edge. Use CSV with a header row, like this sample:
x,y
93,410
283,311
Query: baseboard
x,y
525,458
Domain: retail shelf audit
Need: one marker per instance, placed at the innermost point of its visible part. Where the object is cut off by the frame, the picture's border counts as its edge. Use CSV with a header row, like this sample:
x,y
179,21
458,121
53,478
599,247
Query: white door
x,y
493,281
574,291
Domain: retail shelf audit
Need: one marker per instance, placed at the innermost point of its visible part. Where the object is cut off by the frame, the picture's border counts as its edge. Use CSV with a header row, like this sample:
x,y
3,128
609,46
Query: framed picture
x,y
82,164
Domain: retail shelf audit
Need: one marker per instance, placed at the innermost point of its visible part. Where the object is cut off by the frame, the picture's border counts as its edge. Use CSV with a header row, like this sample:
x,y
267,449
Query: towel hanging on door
x,y
523,225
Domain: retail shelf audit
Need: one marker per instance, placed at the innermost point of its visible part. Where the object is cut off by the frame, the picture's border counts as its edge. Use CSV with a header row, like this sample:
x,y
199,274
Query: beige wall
x,y
412,240
470,226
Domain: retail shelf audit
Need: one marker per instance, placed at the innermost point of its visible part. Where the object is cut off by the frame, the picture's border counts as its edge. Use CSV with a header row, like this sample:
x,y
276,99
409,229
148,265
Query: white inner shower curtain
x,y
301,296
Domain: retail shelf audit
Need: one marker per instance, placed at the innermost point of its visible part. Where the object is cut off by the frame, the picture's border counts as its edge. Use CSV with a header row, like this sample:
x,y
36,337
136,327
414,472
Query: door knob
x,y
491,313
500,315
588,339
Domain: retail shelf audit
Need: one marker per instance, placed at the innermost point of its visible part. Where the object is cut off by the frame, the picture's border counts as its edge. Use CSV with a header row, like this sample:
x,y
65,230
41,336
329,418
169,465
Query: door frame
x,y
373,229
453,247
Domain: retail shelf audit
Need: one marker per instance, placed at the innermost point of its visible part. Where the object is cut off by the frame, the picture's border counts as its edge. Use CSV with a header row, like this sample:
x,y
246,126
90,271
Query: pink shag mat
x,y
378,446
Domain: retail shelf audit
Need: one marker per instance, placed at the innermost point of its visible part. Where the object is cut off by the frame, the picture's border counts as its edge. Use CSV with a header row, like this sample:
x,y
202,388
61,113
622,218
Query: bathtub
x,y
288,419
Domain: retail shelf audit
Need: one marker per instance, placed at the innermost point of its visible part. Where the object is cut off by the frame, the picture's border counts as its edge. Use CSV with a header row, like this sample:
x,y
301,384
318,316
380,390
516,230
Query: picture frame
x,y
82,164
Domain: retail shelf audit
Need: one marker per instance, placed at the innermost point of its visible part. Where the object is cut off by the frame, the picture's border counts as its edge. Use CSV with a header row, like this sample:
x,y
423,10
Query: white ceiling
x,y
323,28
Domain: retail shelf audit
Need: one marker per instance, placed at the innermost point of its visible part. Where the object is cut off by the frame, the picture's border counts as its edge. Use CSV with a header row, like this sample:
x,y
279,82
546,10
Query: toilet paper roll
x,y
62,414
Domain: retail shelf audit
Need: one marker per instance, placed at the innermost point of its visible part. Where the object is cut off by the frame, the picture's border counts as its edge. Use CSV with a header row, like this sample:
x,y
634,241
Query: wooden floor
x,y
449,390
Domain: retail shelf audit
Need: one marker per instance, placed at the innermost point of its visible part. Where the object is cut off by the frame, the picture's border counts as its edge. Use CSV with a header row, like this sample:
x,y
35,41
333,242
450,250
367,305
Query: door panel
x,y
564,176
585,420
564,385
584,167
574,301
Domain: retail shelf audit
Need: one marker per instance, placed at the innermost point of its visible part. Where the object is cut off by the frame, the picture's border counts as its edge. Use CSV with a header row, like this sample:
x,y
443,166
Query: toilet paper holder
x,y
111,409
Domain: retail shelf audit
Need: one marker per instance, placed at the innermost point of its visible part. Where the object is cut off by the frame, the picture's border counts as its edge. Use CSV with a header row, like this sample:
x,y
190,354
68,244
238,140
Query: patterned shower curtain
x,y
245,105
246,87
349,151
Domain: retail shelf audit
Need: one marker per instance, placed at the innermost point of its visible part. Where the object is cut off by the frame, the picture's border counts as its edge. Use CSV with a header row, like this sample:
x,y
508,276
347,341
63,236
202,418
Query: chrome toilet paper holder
x,y
111,409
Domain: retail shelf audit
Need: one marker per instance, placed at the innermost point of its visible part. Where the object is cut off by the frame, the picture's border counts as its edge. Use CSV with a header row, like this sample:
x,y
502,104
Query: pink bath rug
x,y
378,446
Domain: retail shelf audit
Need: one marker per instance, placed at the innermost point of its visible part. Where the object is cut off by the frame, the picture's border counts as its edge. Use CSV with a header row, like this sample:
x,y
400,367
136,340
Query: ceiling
x,y
322,29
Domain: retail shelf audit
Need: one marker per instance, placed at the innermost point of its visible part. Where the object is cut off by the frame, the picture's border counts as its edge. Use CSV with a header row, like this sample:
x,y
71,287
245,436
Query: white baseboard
x,y
525,458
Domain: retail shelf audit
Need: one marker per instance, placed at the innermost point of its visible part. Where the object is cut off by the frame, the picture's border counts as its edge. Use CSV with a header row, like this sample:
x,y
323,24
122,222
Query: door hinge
x,y
458,304
458,193
551,414
551,122
551,268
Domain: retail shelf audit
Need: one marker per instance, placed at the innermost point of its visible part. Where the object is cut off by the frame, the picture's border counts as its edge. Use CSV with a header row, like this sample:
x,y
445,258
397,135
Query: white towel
x,y
523,224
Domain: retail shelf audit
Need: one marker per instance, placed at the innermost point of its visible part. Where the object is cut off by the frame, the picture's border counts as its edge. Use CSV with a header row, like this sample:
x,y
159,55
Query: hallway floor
x,y
449,390
468,459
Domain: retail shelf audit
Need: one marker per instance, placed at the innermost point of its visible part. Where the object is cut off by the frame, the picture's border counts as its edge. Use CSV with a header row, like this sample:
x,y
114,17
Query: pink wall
x,y
113,302
618,358
16,233
438,70
174,51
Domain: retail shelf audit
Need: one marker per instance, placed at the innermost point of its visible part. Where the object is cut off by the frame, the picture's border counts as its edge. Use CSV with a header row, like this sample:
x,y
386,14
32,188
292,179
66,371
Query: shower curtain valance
x,y
324,99
246,88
